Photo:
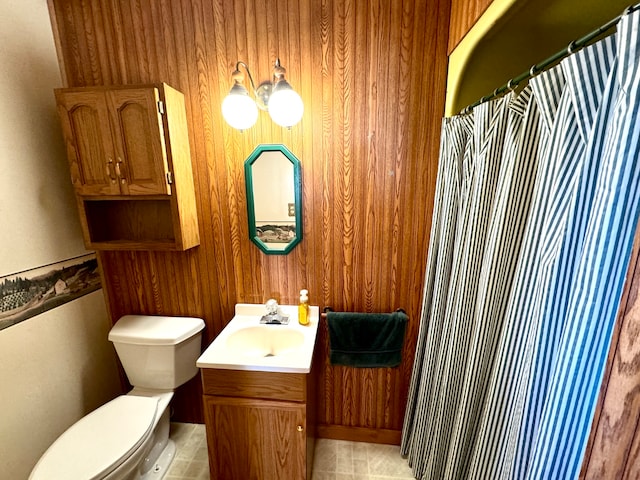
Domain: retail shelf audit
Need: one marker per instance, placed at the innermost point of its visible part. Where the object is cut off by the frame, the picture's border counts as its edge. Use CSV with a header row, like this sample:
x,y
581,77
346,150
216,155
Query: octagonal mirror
x,y
274,199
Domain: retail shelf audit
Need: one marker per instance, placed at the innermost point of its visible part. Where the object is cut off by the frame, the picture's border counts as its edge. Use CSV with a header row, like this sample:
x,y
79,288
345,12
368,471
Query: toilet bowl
x,y
128,437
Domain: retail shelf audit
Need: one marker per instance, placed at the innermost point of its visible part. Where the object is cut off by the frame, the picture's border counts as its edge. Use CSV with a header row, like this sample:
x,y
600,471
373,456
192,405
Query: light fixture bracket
x,y
263,92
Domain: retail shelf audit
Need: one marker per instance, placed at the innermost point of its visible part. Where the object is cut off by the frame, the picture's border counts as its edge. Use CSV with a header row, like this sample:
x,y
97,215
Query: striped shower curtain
x,y
537,201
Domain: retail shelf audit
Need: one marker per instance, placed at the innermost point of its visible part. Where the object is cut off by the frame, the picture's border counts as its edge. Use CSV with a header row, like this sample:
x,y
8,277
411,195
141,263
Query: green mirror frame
x,y
274,236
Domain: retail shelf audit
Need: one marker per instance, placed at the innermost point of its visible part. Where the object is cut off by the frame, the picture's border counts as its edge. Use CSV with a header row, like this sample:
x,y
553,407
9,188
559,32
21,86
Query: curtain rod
x,y
540,67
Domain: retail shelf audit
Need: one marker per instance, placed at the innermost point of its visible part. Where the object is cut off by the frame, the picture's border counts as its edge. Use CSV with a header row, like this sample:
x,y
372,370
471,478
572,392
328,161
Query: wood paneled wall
x,y
614,444
464,14
372,76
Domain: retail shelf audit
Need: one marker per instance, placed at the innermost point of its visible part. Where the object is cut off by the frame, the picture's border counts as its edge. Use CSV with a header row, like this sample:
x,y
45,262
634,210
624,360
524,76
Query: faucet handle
x,y
271,306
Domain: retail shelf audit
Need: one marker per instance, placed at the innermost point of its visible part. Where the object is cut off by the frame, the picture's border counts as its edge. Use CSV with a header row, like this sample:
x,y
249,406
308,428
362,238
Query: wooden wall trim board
x,y
372,76
360,434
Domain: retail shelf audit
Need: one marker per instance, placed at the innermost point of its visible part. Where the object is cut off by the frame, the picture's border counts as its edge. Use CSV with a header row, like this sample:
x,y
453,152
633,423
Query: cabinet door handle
x,y
108,169
119,172
300,428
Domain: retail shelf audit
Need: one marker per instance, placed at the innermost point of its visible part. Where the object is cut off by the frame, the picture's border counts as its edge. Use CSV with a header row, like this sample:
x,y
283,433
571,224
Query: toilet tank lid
x,y
154,330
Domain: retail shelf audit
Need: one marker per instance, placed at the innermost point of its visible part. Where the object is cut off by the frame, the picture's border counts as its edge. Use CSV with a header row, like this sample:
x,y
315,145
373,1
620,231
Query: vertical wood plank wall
x,y
464,14
614,445
372,76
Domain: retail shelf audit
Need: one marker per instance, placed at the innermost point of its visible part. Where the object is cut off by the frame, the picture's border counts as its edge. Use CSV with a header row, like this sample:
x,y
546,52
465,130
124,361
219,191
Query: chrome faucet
x,y
273,316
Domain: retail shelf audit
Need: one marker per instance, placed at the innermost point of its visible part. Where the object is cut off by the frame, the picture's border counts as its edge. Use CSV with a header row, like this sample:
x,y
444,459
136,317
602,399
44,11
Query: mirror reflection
x,y
274,199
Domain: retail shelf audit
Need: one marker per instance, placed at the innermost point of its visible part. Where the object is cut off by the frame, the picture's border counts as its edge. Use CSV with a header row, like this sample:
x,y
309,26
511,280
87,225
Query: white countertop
x,y
295,360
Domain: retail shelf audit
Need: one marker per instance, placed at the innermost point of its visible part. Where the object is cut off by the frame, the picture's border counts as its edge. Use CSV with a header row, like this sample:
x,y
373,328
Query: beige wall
x,y
58,365
54,368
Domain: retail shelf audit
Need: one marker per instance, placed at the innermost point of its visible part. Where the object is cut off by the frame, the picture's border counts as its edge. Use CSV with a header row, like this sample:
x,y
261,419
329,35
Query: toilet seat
x,y
99,442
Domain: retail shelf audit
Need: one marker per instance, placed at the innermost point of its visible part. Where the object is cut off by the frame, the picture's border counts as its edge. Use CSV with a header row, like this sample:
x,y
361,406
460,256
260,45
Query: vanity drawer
x,y
252,384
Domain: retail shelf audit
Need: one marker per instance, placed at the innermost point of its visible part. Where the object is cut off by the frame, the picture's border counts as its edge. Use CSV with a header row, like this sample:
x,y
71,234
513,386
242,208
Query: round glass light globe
x,y
239,111
285,107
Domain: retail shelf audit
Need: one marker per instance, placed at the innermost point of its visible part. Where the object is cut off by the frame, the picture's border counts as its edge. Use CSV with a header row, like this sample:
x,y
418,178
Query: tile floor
x,y
333,459
341,460
191,461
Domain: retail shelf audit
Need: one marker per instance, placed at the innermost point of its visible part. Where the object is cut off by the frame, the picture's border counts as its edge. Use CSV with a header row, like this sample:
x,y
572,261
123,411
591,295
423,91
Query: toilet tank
x,y
158,352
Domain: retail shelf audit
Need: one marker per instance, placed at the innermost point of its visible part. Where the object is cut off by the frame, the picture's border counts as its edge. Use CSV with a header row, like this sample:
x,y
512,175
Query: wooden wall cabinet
x,y
260,425
128,151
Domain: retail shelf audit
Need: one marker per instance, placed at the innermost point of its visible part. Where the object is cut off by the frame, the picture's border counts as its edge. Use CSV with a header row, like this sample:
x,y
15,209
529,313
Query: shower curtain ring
x,y
571,47
533,70
627,10
510,85
495,92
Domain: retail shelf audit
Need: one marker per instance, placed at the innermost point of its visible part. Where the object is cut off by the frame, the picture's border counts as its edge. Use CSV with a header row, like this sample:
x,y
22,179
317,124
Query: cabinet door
x,y
255,439
138,134
85,126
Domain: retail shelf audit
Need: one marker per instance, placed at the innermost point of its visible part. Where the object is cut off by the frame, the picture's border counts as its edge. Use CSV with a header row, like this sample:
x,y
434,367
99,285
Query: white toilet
x,y
128,438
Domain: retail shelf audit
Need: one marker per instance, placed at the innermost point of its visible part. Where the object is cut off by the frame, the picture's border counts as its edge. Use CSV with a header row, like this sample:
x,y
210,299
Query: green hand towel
x,y
366,339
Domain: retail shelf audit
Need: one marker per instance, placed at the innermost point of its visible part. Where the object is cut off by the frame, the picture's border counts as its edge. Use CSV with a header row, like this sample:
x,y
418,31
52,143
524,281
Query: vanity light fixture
x,y
277,97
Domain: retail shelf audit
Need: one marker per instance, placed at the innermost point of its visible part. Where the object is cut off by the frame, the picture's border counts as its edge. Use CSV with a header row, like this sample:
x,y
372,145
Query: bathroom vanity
x,y
258,394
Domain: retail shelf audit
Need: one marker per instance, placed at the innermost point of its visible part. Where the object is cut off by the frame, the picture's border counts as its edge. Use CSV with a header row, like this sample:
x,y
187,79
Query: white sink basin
x,y
246,344
259,341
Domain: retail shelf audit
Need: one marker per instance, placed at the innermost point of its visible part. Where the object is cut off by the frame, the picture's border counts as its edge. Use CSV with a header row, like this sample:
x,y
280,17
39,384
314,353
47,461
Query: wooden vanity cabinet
x,y
260,425
130,163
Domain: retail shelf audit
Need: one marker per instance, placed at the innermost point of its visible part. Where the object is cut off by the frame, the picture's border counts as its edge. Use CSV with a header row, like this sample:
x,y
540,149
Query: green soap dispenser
x,y
303,308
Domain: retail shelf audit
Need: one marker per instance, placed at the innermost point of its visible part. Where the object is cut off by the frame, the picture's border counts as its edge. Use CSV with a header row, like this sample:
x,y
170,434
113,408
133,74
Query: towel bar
x,y
329,309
